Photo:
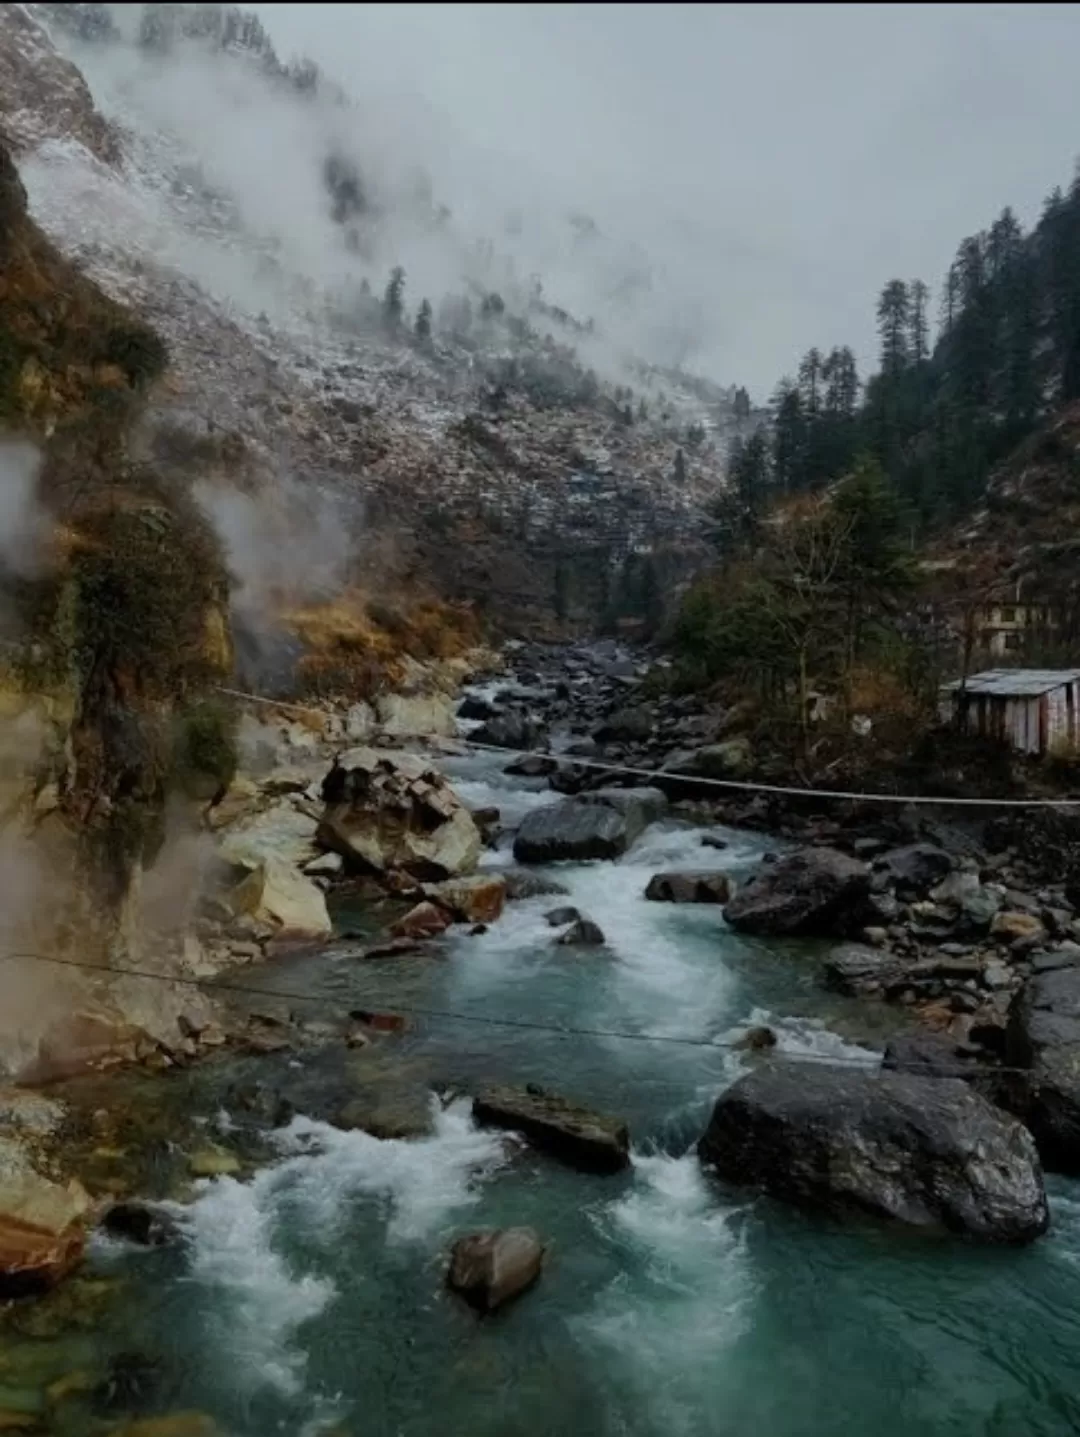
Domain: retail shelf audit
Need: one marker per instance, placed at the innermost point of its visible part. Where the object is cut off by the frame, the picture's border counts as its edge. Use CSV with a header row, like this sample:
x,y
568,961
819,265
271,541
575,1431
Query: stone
x,y
507,730
559,917
927,1152
390,948
489,1268
583,1139
387,811
596,825
426,920
213,1162
532,765
933,1055
733,758
475,707
755,1040
914,868
626,725
522,883
1009,926
477,899
281,832
689,887
42,1225
811,891
1043,1036
177,1424
327,865
583,933
402,1113
862,971
359,722
139,1223
277,893
416,715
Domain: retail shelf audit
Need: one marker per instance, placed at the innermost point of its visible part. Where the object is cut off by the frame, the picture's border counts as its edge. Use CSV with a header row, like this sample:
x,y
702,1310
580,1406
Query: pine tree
x,y
394,300
423,322
789,439
918,325
680,467
893,315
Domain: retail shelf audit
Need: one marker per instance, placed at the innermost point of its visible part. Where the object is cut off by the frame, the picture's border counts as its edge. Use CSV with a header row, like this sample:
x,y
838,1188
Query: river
x,y
310,1298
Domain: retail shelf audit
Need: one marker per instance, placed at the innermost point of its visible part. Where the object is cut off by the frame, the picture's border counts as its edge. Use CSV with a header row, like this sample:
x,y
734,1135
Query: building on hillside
x,y
1003,628
1035,710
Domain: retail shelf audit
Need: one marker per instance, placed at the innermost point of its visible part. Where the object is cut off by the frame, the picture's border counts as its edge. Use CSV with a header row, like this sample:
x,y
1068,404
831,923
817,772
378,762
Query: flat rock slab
x,y
582,1139
923,1151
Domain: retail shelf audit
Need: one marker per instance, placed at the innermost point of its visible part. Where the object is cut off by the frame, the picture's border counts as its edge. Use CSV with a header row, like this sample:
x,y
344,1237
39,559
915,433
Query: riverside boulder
x,y
594,825
689,887
490,1268
1043,1036
923,1151
394,811
811,891
583,1139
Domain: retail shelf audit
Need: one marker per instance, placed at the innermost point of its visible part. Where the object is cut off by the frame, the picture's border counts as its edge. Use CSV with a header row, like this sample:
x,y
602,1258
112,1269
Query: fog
x,y
779,163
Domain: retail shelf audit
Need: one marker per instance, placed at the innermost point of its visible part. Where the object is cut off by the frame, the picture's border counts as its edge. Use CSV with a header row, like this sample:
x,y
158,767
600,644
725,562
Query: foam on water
x,y
258,1302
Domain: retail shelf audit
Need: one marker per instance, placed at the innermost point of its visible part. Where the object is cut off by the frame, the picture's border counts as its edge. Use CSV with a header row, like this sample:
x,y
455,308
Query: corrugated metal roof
x,y
1014,683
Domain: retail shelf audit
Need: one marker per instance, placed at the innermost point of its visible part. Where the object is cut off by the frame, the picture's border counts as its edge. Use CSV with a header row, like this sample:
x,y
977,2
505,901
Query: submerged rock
x,y
687,887
581,1138
395,811
560,917
490,1268
522,883
928,1152
139,1223
595,825
811,891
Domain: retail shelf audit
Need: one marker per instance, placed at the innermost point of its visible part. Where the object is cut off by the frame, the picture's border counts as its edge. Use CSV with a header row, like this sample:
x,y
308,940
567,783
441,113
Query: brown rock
x,y
1009,925
689,888
426,920
33,1259
490,1268
471,900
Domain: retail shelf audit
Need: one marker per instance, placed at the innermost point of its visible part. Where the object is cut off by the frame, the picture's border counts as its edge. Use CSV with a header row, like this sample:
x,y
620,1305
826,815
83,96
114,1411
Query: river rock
x,y
139,1223
477,899
531,765
426,920
583,1139
560,917
813,890
595,825
276,893
395,811
282,831
923,1151
627,725
915,868
582,933
1007,927
523,883
689,887
398,1112
1043,1035
932,1055
42,1225
490,1268
507,730
416,715
475,706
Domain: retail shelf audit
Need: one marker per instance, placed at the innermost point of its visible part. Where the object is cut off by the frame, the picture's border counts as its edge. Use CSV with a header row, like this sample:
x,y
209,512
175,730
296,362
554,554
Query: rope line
x,y
413,1010
739,785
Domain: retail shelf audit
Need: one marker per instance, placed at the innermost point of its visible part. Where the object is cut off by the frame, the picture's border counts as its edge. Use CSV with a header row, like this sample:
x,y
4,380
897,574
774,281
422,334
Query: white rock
x,y
276,893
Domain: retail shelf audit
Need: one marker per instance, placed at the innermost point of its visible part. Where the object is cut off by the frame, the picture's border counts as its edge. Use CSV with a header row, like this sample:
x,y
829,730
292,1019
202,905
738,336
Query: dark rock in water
x,y
596,825
473,706
133,1380
532,765
560,917
713,840
811,891
689,888
523,883
582,1139
924,1151
507,730
570,778
1043,1034
755,1040
140,1223
262,1103
628,725
916,867
582,934
490,1268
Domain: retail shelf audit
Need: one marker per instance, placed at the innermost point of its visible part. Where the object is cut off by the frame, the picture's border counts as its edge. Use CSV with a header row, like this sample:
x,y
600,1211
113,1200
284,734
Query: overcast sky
x,y
779,161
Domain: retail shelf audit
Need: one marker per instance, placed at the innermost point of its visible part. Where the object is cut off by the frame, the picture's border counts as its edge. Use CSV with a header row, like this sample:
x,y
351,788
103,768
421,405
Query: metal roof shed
x,y
1036,710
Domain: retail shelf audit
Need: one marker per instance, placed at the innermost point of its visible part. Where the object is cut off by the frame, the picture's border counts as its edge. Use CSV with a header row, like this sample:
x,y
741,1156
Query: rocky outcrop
x,y
812,891
581,1138
396,812
1043,1035
689,887
490,1268
595,825
927,1152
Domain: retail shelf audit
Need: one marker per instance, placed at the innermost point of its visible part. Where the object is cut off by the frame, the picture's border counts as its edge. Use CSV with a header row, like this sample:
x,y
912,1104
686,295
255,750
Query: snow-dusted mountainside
x,y
511,456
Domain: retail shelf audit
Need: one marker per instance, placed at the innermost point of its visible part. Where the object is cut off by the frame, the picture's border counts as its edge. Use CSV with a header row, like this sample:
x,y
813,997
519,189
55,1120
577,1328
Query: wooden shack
x,y
1034,709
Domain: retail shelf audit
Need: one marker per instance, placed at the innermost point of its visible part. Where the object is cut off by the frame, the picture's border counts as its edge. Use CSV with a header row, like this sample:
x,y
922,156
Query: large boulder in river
x,y
594,825
277,894
689,887
811,891
583,1139
489,1268
1043,1035
928,1152
507,730
395,811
